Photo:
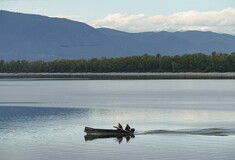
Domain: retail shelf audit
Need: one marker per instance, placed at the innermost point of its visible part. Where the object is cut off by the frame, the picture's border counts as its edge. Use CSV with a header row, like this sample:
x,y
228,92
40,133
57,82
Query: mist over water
x,y
174,119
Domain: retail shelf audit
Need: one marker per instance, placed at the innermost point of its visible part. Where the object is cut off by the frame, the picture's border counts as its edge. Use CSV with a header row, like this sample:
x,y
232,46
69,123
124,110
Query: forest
x,y
198,62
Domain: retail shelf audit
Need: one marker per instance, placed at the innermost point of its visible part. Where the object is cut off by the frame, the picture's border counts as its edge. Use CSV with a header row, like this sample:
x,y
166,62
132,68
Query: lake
x,y
174,119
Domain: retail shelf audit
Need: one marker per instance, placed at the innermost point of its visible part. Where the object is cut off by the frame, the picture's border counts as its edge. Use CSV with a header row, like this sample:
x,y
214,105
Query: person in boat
x,y
128,128
119,126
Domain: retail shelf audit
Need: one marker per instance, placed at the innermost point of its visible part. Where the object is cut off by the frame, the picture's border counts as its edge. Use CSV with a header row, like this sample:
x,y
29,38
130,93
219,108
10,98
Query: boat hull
x,y
107,132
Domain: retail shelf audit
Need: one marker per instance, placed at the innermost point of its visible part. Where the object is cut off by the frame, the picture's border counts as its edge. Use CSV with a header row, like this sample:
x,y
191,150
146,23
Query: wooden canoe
x,y
107,132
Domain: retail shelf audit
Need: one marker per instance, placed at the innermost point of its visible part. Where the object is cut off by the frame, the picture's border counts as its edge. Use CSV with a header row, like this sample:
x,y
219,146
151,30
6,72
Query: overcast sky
x,y
137,15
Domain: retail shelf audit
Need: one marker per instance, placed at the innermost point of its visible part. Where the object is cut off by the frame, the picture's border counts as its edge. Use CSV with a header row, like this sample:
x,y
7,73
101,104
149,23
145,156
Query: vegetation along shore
x,y
188,75
215,65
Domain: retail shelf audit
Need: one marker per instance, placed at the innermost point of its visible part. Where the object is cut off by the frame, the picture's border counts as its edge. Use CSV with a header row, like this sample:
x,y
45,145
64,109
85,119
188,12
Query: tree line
x,y
198,62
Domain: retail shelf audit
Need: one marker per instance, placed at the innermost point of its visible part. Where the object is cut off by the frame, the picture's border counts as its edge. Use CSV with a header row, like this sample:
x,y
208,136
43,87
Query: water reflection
x,y
58,133
118,139
36,122
8,114
143,120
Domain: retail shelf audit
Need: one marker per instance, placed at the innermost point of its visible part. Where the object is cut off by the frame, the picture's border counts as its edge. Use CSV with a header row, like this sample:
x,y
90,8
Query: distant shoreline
x,y
104,76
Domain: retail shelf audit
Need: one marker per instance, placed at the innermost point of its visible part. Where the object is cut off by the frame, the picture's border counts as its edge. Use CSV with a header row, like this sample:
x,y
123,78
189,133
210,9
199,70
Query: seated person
x,y
120,126
128,128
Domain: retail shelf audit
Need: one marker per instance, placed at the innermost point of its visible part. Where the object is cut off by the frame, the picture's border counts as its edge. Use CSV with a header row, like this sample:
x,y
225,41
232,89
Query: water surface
x,y
174,119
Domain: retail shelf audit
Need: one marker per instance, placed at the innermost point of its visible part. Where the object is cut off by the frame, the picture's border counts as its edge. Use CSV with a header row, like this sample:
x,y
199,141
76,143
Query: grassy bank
x,y
188,75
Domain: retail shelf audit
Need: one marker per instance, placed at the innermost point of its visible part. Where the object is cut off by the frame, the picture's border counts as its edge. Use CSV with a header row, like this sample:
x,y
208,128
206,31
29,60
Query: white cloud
x,y
218,21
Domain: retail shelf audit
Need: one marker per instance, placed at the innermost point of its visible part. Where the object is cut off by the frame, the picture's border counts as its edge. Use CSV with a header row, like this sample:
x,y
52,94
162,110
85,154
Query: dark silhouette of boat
x,y
118,138
108,132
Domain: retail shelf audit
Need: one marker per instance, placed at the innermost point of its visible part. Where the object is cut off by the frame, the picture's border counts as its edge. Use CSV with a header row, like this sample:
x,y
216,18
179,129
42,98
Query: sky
x,y
136,15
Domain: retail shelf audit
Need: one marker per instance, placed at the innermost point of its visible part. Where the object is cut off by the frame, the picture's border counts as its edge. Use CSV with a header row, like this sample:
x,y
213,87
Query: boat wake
x,y
206,131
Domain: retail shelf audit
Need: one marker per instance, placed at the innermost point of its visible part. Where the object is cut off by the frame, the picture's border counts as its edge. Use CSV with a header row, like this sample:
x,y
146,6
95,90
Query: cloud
x,y
218,21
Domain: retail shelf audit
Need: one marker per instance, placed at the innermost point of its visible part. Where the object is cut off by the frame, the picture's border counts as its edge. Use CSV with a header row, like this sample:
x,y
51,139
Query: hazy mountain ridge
x,y
26,36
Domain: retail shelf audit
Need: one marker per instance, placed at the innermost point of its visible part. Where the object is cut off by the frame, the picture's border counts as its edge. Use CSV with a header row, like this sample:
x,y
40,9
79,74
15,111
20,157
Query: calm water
x,y
174,119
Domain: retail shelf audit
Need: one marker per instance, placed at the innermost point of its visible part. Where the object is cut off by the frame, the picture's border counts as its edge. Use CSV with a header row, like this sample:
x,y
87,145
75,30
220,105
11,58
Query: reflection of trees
x,y
29,114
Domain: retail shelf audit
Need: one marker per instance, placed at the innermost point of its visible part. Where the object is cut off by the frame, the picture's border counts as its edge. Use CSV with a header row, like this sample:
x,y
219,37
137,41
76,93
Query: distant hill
x,y
34,37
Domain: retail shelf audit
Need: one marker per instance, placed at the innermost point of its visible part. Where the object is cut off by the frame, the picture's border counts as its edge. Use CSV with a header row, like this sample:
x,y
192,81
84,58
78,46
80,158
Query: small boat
x,y
109,132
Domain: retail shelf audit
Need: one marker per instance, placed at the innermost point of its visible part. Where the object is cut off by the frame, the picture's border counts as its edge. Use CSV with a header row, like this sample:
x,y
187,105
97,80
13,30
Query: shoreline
x,y
103,76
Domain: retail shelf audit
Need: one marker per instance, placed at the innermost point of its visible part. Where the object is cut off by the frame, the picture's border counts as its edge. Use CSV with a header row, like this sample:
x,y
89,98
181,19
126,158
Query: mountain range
x,y
36,37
